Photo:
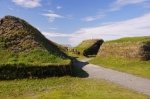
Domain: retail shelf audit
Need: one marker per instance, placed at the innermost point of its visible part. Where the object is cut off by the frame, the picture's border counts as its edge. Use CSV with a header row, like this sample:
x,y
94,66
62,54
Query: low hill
x,y
22,45
89,47
130,47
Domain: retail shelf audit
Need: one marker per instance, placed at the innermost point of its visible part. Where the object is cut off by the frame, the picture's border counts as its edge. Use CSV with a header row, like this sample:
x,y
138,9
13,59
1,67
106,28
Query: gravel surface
x,y
135,83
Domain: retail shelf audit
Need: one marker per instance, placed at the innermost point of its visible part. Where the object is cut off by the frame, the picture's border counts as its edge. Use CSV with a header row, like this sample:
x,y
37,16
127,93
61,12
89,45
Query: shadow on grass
x,y
77,70
146,51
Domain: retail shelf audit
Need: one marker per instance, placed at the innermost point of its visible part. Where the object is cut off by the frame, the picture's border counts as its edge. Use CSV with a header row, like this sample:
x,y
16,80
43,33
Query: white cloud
x,y
52,16
10,8
54,34
58,7
27,3
50,11
93,18
115,6
53,28
59,38
139,26
147,4
118,4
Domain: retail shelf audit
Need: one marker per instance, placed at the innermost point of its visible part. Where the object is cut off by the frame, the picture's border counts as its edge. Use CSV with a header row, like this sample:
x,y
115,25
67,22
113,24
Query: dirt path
x,y
138,84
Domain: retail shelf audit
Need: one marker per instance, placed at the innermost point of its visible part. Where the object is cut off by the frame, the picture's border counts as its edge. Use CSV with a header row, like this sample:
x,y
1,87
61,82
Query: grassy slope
x,y
26,45
85,45
137,67
133,66
65,88
34,57
130,39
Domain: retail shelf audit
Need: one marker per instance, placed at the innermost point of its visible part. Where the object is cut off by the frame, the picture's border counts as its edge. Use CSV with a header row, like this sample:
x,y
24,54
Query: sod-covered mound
x,y
22,45
89,47
130,47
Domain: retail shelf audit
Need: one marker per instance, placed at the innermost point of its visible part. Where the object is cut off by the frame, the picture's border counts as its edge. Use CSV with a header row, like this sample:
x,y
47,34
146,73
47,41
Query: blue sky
x,y
71,21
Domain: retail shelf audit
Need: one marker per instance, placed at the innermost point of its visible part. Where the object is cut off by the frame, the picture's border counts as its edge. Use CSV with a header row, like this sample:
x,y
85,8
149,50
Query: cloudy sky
x,y
71,21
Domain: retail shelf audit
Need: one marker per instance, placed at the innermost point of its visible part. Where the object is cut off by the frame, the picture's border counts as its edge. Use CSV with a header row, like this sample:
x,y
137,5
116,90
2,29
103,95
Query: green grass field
x,y
32,64
65,88
126,55
35,57
137,67
130,39
26,53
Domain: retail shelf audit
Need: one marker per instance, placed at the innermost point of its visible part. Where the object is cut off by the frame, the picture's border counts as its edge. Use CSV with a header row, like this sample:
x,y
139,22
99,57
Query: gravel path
x,y
138,84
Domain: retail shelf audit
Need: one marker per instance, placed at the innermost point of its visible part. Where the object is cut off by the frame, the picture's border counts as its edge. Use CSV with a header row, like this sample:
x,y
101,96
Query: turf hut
x,y
131,47
89,47
25,52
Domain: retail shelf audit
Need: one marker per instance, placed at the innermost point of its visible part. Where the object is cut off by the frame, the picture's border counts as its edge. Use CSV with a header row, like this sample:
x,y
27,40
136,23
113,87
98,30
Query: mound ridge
x,y
26,53
21,42
89,47
130,47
